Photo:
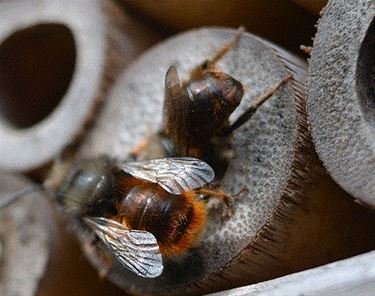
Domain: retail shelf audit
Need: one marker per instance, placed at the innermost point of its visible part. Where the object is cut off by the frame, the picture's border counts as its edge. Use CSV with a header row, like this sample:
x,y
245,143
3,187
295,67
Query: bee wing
x,y
177,106
176,175
172,83
137,250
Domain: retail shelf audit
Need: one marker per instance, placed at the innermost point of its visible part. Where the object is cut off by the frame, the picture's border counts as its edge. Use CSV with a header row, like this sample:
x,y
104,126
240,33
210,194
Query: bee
x,y
142,211
197,111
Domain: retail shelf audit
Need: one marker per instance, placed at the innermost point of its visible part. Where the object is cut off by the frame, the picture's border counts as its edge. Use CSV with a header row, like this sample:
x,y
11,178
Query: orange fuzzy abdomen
x,y
177,221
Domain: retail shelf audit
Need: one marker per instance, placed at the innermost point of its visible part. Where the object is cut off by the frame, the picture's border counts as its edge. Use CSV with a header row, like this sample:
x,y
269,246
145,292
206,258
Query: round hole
x,y
366,75
36,67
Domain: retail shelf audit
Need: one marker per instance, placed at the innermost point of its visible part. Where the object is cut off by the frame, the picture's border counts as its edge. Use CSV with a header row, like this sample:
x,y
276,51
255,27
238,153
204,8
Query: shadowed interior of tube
x,y
36,68
365,75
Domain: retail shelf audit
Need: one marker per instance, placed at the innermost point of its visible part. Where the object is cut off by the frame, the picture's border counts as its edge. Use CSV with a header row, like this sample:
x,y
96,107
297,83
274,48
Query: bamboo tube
x,y
354,276
27,230
57,60
292,216
341,95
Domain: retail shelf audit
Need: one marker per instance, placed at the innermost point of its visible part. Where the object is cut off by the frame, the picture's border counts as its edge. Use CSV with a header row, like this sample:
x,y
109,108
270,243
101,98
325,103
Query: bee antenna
x,y
13,197
218,56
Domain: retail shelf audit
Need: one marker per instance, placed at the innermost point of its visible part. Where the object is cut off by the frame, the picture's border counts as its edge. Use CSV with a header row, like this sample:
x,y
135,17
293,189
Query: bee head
x,y
78,187
217,94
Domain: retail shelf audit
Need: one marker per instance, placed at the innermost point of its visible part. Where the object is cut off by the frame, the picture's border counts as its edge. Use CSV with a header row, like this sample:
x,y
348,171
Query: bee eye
x,y
232,91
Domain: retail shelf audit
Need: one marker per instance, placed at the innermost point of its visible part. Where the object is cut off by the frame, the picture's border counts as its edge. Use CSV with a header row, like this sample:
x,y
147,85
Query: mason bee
x,y
197,111
140,210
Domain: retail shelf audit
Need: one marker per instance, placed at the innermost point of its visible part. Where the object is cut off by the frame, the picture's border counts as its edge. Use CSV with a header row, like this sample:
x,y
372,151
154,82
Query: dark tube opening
x,y
365,76
36,68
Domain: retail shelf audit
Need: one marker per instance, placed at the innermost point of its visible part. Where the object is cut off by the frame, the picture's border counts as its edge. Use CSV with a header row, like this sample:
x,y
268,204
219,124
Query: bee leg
x,y
106,267
104,270
138,150
105,259
207,193
155,145
255,105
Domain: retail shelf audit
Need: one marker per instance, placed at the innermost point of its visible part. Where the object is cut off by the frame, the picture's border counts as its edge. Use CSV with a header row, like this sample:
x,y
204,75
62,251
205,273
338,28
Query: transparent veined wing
x,y
172,84
177,109
176,175
137,250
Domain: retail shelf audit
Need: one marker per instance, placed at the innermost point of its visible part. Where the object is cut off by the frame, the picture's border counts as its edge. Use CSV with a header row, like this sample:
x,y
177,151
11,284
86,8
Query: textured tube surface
x,y
341,95
26,236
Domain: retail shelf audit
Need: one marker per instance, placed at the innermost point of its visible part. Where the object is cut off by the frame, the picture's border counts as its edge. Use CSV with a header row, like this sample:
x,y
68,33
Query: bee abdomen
x,y
183,225
180,226
176,221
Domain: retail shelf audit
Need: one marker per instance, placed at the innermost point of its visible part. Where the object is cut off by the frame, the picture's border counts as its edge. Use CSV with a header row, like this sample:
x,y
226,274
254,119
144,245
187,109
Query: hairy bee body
x,y
176,221
197,112
93,187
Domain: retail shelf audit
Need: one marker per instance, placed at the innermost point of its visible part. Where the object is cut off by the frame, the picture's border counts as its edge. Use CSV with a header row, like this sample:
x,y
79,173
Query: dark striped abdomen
x,y
176,220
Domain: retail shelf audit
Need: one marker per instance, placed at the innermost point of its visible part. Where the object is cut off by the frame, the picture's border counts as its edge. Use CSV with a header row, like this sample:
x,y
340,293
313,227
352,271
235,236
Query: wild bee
x,y
196,111
141,210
